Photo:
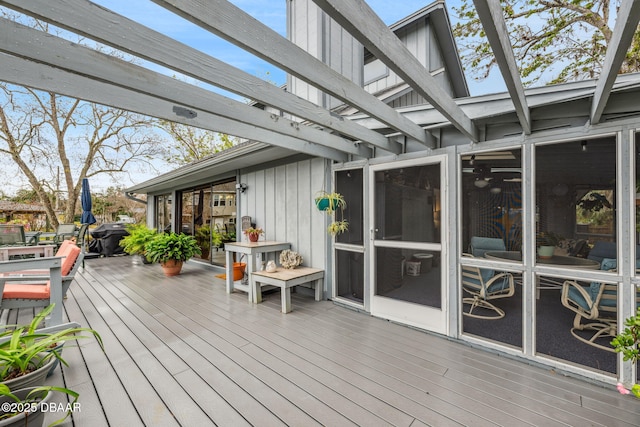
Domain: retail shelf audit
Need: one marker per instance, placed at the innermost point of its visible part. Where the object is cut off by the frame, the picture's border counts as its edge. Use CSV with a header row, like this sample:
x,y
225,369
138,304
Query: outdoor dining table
x,y
36,250
556,260
250,249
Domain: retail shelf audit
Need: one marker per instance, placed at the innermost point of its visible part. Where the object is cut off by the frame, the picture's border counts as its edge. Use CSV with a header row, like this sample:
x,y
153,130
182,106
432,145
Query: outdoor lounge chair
x,y
596,304
12,235
32,288
63,232
484,285
480,245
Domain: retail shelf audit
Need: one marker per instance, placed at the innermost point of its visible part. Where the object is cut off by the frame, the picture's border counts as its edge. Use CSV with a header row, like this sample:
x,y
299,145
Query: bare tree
x,y
553,40
56,141
45,135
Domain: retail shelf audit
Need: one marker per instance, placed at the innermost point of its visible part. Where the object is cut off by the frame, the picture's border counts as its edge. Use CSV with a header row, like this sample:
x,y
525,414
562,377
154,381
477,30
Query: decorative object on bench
x,y
253,233
271,266
171,250
285,279
290,259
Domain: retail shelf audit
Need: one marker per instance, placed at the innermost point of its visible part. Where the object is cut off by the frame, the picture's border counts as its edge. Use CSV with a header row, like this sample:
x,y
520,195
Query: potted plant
x,y
133,244
253,233
24,407
28,354
331,203
171,250
547,242
628,343
206,238
26,357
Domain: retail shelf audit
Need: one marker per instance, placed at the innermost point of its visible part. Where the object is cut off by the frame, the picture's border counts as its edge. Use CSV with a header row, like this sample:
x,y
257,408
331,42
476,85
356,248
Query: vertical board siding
x,y
280,200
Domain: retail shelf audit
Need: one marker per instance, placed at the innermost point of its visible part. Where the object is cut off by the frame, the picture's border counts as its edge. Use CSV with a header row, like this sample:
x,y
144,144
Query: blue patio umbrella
x,y
85,200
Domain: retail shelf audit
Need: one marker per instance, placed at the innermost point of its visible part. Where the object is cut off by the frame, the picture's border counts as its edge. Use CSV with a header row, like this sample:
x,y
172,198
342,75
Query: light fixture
x,y
481,182
473,160
584,146
241,187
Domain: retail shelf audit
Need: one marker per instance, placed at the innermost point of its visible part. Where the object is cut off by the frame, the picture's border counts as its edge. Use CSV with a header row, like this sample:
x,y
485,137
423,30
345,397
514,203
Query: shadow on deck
x,y
180,351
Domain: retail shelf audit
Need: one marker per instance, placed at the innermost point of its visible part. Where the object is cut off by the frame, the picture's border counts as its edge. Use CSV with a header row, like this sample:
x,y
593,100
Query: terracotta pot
x,y
254,237
238,270
172,267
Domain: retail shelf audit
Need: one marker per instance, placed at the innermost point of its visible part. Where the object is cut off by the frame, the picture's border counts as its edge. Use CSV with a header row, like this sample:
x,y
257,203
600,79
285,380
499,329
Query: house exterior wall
x,y
421,41
280,200
312,30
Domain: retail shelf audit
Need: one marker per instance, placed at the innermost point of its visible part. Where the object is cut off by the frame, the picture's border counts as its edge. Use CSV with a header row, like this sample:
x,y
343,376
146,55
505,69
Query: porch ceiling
x,y
49,63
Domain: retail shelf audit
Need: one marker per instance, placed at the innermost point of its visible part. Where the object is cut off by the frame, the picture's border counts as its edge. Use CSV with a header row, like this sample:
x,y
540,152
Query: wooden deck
x,y
180,351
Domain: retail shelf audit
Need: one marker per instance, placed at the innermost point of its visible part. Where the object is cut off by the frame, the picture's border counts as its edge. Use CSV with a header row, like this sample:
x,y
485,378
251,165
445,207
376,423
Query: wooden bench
x,y
285,279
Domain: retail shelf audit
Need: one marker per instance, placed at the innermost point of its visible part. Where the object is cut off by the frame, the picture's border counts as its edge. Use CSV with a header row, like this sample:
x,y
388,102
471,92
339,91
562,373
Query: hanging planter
x,y
329,202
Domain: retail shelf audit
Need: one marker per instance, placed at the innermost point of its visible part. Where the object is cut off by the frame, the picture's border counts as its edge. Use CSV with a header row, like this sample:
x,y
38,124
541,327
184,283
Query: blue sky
x,y
273,14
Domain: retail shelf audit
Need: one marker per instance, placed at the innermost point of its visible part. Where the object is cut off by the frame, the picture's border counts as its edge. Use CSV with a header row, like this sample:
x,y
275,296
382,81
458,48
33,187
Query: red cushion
x,y
16,291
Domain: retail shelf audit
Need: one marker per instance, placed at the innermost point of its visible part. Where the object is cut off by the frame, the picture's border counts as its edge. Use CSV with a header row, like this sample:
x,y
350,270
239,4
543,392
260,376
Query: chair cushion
x,y
17,291
480,245
498,285
576,296
70,252
486,274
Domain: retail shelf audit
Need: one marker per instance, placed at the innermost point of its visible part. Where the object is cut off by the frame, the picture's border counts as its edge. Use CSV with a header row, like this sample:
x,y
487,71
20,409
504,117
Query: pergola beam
x,y
623,32
43,77
362,22
35,45
234,25
495,27
88,19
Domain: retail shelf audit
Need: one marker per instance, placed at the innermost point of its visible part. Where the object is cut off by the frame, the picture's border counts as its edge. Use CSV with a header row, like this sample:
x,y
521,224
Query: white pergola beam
x,y
361,21
43,77
495,27
234,25
88,19
623,32
35,45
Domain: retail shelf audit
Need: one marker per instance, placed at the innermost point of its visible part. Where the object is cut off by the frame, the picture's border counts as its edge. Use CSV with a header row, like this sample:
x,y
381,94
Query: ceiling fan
x,y
486,176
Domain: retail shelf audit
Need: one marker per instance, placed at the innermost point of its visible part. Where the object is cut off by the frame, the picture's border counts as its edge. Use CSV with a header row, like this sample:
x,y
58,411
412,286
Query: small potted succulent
x,y
171,250
253,233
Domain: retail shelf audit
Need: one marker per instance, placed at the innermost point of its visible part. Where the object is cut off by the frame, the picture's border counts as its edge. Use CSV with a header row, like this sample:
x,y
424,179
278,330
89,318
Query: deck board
x,y
182,352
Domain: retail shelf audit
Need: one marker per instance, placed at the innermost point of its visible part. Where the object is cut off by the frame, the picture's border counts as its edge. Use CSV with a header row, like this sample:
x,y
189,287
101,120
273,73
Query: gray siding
x,y
322,37
280,200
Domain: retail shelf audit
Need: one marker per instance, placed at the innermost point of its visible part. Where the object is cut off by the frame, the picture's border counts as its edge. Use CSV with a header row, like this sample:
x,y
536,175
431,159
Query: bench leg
x,y
318,286
257,291
286,299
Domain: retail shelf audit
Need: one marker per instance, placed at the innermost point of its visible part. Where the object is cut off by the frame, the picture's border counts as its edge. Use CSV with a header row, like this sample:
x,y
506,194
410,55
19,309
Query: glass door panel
x,y
407,216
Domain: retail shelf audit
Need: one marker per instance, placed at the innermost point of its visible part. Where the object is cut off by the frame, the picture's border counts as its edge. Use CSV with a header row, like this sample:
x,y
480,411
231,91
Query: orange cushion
x,y
70,251
16,291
